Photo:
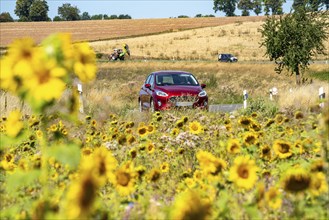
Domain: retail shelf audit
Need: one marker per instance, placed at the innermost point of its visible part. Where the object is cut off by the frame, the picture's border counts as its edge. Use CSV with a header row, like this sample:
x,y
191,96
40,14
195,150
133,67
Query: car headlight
x,y
160,93
202,93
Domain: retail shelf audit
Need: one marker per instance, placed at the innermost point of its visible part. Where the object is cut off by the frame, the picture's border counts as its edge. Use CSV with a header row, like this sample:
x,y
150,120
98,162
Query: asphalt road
x,y
225,107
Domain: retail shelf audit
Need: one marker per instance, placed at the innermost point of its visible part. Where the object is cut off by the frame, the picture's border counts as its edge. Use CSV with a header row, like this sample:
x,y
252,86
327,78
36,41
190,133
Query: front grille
x,y
175,99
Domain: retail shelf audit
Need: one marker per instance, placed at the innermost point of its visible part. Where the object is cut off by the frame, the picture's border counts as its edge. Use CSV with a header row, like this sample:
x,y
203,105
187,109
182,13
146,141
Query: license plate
x,y
184,104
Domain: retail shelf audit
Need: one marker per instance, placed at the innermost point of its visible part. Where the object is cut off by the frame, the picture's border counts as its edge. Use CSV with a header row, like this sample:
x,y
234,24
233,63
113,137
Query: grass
x,y
322,75
117,85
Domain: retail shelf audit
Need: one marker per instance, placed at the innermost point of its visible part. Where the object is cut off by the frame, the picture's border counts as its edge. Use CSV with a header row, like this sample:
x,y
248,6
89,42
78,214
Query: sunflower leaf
x,y
68,154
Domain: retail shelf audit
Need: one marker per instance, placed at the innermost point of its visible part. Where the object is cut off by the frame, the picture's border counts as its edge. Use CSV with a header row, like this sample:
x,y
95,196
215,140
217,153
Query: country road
x,y
225,107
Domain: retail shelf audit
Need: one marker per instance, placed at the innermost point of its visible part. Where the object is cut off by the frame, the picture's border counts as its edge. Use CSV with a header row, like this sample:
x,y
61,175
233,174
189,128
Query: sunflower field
x,y
174,165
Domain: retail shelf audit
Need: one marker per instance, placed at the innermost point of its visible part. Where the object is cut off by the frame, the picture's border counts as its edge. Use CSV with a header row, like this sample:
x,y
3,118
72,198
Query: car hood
x,y
180,90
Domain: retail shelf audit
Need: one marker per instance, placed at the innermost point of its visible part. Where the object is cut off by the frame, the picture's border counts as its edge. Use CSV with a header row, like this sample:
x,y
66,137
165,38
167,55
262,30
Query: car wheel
x,y
152,109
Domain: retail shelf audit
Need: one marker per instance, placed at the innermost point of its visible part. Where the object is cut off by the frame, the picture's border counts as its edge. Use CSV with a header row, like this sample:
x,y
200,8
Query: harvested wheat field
x,y
110,29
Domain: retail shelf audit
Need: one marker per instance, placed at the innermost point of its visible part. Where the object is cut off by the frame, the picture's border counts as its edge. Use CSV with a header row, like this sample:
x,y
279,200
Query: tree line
x,y
273,7
37,10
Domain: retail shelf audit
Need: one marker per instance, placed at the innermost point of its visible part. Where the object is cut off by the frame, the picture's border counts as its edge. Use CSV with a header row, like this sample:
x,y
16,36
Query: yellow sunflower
x,y
180,124
243,173
164,167
273,198
296,180
319,185
265,152
150,129
150,147
282,148
124,180
14,124
196,128
84,62
142,130
175,131
245,122
233,146
250,138
81,196
154,175
102,162
190,205
210,164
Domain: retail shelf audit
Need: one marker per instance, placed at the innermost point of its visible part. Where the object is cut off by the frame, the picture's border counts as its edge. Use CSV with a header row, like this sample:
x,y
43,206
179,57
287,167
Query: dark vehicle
x,y
225,57
119,54
172,89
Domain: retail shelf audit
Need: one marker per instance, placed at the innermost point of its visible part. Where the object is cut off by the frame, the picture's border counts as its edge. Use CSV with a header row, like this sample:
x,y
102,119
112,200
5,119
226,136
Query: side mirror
x,y
148,86
203,86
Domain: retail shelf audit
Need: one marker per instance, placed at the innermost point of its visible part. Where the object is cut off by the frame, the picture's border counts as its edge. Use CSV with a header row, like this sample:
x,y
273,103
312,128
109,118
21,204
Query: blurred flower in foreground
x,y
189,205
14,124
40,74
296,180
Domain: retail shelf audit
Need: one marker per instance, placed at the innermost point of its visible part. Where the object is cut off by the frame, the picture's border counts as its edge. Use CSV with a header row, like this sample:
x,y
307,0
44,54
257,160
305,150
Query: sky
x,y
137,9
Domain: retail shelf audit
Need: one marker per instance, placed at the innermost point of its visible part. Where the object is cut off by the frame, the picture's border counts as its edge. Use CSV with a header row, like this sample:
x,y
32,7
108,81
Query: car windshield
x,y
175,79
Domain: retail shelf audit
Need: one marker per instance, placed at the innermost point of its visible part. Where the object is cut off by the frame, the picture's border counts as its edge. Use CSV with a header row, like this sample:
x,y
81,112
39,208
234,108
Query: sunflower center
x,y
102,168
243,172
123,178
194,127
284,148
88,194
297,183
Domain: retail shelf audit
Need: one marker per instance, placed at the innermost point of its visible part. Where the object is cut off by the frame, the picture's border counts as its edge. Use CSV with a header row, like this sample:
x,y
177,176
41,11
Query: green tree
x,y
68,12
314,5
85,16
293,40
245,6
257,7
275,6
57,18
6,17
227,6
22,9
114,17
39,11
97,17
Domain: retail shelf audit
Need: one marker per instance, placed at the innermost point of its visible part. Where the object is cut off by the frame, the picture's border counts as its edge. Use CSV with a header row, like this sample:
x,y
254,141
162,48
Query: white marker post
x,y
271,94
321,97
79,85
245,97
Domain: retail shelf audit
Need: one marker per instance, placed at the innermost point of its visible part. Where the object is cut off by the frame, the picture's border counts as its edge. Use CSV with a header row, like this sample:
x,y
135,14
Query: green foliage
x,y
99,55
273,5
22,9
68,12
57,18
226,6
293,40
32,10
85,16
39,11
245,6
262,106
6,17
67,154
322,75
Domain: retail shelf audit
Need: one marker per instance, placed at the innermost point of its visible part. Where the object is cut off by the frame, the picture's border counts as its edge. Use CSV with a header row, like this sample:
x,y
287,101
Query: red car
x,y
169,89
